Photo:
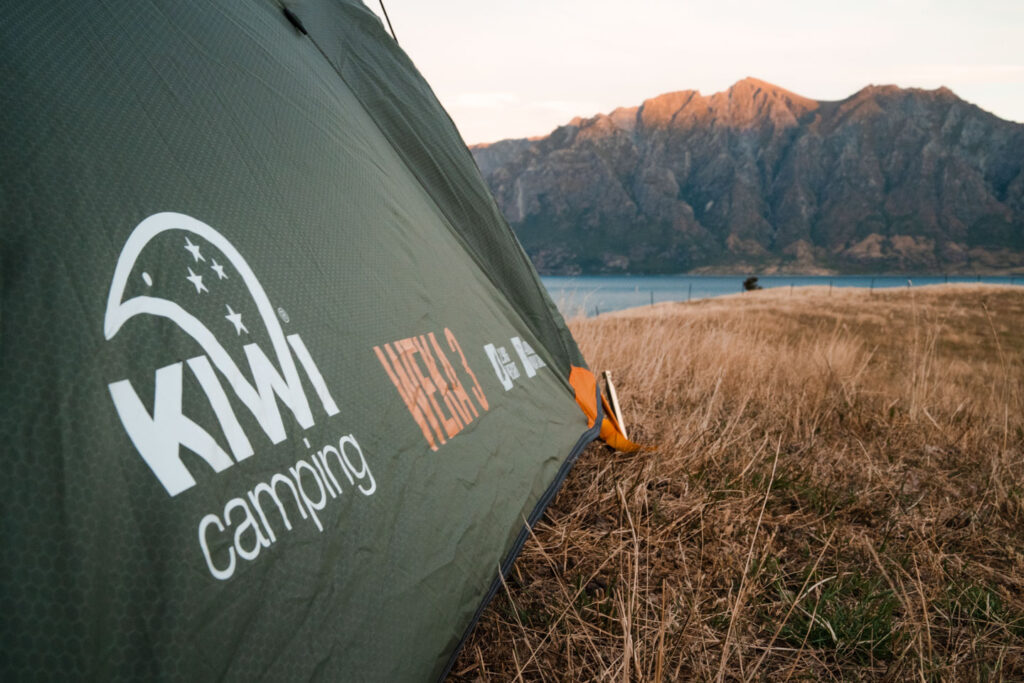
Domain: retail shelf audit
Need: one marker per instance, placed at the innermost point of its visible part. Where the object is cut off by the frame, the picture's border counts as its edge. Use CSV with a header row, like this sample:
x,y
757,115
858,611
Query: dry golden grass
x,y
837,492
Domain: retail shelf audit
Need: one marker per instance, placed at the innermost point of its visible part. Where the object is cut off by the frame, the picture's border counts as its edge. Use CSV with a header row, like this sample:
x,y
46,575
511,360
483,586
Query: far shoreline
x,y
702,272
819,292
590,295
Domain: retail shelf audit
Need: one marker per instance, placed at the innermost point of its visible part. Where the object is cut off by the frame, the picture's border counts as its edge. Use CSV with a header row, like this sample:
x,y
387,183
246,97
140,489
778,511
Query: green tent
x,y
280,389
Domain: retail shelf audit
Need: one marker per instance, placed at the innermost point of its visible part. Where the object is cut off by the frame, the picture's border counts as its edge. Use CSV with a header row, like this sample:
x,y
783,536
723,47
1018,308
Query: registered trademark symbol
x,y
282,314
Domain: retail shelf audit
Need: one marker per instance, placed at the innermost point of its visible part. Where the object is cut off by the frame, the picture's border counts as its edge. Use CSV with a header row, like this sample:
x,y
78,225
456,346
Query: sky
x,y
520,68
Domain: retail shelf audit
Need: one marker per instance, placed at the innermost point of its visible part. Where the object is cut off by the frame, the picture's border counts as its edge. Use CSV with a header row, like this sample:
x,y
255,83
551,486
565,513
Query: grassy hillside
x,y
834,490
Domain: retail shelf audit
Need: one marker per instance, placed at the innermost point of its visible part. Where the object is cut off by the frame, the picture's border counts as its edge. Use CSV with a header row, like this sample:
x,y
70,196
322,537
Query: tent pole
x,y
388,19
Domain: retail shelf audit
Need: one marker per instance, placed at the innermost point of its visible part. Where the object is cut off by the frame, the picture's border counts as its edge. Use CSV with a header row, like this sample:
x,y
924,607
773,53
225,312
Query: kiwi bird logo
x,y
208,262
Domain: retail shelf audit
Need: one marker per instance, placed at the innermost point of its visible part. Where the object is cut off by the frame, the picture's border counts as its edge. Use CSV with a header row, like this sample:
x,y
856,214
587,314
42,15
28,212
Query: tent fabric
x,y
381,75
280,389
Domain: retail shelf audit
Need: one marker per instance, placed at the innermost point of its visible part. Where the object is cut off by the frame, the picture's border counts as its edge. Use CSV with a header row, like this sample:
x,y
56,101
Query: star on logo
x,y
194,249
218,268
236,320
197,280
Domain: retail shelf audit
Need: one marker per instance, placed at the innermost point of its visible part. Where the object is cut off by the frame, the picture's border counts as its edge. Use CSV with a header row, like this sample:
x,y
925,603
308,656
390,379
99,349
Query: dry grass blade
x,y
738,606
799,595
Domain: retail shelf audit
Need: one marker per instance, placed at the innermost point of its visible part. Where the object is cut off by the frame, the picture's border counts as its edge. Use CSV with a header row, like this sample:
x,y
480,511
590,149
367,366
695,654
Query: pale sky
x,y
518,68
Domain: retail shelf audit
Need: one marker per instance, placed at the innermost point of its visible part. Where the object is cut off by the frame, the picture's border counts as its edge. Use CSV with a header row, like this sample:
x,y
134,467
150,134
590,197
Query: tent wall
x,y
279,387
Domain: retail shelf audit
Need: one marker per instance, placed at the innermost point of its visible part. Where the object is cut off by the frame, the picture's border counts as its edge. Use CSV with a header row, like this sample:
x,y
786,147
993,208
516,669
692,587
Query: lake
x,y
592,294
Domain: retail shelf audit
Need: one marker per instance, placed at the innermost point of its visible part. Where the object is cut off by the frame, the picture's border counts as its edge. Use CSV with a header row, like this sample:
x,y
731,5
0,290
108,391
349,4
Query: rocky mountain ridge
x,y
760,178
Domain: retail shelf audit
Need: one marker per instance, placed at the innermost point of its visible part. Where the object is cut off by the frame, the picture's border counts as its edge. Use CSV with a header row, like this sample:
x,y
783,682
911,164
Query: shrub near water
x,y
835,489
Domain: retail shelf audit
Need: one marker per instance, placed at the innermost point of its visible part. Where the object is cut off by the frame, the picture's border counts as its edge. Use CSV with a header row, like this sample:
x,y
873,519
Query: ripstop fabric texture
x,y
279,387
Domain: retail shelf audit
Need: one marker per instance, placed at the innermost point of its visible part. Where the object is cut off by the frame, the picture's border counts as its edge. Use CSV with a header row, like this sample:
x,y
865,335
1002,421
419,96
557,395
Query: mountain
x,y
759,178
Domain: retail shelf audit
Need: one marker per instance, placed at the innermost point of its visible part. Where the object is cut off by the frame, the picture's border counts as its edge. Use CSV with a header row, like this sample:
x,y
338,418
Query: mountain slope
x,y
759,177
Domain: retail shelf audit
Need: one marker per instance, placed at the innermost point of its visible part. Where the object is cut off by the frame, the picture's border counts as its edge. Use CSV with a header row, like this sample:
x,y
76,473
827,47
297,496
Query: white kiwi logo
x,y
208,263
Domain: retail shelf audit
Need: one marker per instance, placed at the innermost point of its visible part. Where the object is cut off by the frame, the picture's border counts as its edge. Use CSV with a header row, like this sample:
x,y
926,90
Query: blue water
x,y
593,294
